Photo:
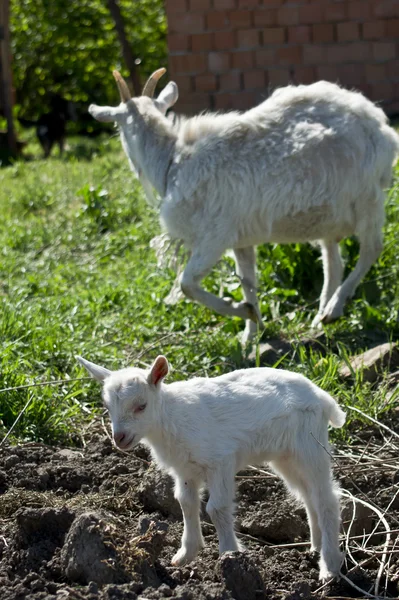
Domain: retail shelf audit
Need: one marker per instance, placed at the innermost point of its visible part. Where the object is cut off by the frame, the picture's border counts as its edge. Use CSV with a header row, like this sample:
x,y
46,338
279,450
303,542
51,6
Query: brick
x,y
202,42
248,3
224,40
175,6
351,74
230,82
365,89
327,72
248,38
335,11
184,83
305,75
265,57
265,17
384,50
194,102
219,62
314,54
374,30
310,13
217,19
188,22
201,5
223,101
299,34
359,10
382,91
376,72
240,19
279,77
244,100
392,28
322,33
178,42
188,63
386,8
288,15
347,52
255,79
243,59
273,35
224,4
348,32
289,56
393,69
205,83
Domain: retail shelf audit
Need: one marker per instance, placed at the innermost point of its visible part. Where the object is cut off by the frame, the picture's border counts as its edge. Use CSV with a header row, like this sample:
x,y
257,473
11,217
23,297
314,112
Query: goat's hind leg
x,y
187,493
332,271
246,270
200,263
291,474
370,239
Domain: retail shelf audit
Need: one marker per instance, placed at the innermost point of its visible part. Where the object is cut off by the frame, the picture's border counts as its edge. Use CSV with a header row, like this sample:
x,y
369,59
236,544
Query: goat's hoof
x,y
183,556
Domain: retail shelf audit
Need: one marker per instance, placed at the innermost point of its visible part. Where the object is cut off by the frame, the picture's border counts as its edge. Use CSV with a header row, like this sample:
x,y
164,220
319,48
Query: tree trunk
x,y
6,74
114,9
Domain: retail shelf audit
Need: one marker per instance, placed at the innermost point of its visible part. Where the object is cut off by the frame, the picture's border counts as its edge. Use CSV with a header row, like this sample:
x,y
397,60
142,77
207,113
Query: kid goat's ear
x,y
97,372
159,370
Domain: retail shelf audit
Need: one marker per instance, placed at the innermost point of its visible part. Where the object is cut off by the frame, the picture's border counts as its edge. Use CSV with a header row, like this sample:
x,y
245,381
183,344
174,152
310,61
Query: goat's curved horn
x,y
122,86
149,88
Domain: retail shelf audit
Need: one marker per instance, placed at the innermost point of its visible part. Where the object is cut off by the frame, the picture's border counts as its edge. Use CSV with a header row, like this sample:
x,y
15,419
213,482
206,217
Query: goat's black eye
x,y
139,409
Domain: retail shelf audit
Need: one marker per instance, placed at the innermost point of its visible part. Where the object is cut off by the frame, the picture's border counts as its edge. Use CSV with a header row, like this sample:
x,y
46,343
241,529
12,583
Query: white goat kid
x,y
203,431
308,164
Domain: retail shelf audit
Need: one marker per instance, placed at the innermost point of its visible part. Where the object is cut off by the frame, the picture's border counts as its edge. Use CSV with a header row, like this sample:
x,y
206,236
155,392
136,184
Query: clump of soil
x,y
95,524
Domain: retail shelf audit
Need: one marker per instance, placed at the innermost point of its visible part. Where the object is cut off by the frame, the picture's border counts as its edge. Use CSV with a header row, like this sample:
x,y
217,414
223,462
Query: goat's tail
x,y
334,412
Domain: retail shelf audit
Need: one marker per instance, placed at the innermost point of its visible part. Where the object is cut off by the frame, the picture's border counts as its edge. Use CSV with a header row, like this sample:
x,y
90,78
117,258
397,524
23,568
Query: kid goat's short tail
x,y
336,415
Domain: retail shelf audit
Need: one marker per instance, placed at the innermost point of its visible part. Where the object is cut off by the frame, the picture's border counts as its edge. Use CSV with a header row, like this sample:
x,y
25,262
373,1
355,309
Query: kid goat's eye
x,y
139,409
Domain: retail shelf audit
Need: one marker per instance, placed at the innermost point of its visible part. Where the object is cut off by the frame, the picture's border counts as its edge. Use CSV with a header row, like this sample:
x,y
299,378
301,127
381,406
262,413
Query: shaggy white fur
x,y
203,431
308,164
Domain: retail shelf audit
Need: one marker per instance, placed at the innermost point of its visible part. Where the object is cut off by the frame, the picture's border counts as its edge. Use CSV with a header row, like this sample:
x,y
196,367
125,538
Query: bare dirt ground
x,y
94,523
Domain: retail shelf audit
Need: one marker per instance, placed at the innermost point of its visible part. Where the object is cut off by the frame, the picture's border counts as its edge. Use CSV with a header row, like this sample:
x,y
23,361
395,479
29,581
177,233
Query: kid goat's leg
x,y
200,263
370,238
187,493
333,271
220,506
316,475
291,474
246,270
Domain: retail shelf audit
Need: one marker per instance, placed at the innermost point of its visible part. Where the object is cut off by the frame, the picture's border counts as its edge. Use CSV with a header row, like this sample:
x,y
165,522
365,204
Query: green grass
x,y
77,276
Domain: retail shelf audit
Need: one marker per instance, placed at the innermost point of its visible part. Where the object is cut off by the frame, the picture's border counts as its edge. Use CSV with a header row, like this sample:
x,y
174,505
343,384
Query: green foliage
x,y
71,47
77,276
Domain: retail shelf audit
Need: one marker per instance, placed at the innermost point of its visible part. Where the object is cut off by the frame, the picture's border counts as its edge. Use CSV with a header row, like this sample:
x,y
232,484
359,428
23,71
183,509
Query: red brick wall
x,y
227,54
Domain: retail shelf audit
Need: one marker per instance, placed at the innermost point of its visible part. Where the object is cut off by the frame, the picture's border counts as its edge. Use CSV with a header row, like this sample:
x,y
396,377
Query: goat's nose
x,y
119,436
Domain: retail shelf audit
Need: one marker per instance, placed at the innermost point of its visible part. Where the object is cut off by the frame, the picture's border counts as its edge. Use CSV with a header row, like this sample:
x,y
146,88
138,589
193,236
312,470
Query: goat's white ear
x,y
168,97
107,114
97,372
159,370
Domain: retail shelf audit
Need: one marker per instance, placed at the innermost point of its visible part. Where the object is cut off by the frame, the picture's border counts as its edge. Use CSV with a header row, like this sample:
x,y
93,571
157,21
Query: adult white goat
x,y
308,164
203,431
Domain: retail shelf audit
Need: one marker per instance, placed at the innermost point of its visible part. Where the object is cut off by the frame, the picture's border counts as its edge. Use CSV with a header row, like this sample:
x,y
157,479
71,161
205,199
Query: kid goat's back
x,y
308,164
203,431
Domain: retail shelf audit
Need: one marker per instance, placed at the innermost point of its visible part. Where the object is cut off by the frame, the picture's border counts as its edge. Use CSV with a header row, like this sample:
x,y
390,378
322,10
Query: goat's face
x,y
131,397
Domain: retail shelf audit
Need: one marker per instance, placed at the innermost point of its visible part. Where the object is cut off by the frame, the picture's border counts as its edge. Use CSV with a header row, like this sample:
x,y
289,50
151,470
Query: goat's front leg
x,y
201,262
220,507
246,270
187,493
